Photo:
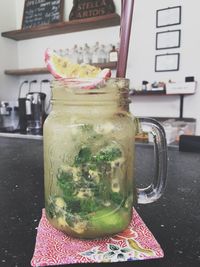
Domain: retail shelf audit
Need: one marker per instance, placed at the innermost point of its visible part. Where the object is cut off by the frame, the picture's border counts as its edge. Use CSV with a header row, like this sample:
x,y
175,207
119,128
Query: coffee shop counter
x,y
174,219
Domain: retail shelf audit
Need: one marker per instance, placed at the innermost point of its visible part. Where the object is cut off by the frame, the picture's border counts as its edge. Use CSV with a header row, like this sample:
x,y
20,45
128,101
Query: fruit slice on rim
x,y
61,67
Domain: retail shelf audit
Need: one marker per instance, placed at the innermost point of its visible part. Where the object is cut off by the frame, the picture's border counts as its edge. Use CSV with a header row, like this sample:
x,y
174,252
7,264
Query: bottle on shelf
x,y
74,54
80,55
95,51
108,49
67,53
102,57
87,57
113,55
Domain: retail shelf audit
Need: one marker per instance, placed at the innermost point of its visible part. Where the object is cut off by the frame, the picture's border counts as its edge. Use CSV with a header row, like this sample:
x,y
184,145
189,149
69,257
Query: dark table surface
x,y
174,219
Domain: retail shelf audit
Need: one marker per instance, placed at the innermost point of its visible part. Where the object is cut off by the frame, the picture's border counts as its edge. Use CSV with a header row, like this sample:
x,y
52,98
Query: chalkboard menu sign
x,y
42,12
91,8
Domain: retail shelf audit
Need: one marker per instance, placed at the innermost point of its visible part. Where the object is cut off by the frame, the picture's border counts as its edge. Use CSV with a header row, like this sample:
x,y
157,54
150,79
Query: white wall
x,y
141,55
8,50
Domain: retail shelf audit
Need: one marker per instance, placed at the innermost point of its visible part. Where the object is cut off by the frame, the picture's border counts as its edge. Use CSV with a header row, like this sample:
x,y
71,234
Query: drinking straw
x,y
122,5
122,8
122,2
125,30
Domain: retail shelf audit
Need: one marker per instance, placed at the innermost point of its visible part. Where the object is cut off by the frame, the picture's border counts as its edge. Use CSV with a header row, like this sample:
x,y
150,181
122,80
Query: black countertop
x,y
174,219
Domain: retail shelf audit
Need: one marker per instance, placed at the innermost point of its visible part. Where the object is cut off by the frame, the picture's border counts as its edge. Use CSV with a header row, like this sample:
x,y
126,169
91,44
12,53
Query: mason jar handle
x,y
155,190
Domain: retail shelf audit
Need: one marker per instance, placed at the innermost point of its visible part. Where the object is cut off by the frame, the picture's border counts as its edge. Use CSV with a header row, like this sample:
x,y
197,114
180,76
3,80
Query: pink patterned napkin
x,y
55,248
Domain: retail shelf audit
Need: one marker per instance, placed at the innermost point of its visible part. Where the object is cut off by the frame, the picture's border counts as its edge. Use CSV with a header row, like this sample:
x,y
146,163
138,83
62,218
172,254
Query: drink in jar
x,y
88,159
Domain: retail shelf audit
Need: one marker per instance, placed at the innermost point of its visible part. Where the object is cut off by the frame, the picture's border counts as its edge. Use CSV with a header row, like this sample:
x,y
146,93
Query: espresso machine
x,y
9,116
32,108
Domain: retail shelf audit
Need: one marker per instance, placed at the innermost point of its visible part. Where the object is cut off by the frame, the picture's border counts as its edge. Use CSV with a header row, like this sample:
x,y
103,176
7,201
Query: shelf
x,y
34,71
147,93
154,93
161,93
64,27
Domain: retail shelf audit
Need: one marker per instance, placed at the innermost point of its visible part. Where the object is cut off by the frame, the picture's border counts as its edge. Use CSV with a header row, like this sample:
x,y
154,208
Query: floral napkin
x,y
55,248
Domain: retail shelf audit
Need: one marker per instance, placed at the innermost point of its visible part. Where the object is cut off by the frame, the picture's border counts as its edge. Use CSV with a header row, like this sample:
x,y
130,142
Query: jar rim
x,y
89,79
91,85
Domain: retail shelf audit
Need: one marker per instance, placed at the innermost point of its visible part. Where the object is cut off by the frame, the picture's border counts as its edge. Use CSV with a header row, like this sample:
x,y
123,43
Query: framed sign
x,y
168,39
168,16
89,8
42,12
167,62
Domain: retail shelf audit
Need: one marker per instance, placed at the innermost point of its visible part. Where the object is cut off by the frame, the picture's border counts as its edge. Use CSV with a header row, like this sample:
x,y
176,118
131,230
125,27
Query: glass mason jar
x,y
89,159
